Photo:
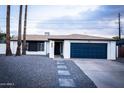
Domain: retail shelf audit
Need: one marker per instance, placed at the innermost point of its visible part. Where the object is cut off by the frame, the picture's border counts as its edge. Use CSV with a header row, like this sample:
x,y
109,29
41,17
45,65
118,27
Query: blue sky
x,y
91,20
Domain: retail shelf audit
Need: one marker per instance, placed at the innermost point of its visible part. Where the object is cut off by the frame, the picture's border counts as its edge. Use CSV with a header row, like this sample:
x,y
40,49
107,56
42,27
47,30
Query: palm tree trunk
x,y
24,34
8,49
18,51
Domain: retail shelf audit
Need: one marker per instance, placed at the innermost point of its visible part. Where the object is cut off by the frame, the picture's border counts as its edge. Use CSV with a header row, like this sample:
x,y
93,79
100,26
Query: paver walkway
x,y
69,75
65,78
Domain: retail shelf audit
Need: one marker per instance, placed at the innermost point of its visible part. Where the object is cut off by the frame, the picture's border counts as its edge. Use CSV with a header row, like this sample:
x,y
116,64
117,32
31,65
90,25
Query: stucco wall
x,y
47,47
116,51
13,46
66,49
51,49
2,48
111,54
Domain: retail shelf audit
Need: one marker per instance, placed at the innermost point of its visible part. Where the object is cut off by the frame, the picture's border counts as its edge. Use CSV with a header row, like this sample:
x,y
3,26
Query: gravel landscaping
x,y
39,72
28,71
121,60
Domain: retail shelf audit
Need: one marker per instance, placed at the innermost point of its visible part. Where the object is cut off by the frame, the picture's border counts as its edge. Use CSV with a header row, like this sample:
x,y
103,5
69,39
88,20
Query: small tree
x,y
8,49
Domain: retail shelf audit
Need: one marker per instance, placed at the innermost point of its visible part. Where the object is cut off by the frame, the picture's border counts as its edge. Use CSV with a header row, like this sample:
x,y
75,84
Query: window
x,y
35,46
42,46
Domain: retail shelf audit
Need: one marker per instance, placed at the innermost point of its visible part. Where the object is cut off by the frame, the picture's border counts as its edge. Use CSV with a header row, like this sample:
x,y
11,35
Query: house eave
x,y
32,40
85,39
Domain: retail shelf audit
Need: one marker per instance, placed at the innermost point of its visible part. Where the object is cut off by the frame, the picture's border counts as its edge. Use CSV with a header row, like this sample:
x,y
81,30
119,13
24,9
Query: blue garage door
x,y
88,50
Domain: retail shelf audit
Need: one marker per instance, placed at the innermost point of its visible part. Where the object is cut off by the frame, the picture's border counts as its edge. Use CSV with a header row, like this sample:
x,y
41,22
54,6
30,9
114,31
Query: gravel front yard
x,y
37,72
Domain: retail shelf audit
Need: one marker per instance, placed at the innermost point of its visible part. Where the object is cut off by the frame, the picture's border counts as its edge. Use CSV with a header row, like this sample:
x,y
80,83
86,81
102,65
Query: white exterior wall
x,y
2,48
111,48
13,45
35,53
66,49
111,51
51,49
47,47
116,51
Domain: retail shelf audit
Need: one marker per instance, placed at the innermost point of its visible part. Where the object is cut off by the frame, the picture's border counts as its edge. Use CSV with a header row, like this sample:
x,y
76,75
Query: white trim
x,y
66,50
2,48
117,51
35,53
51,49
75,41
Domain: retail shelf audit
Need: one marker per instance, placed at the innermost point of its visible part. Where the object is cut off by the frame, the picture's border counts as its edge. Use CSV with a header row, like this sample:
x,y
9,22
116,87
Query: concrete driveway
x,y
104,73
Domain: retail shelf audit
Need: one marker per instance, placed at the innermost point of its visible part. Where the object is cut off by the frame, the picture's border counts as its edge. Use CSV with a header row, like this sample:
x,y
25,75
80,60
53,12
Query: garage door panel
x,y
88,50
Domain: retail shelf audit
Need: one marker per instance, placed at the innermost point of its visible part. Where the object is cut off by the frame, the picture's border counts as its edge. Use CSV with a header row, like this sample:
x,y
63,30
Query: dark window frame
x,y
35,46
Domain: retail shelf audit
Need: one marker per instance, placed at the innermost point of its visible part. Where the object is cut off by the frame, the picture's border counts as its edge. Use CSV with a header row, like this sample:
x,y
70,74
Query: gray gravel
x,y
120,60
28,71
37,72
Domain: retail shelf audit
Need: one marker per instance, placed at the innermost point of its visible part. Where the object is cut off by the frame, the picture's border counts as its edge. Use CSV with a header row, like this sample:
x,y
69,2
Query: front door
x,y
58,48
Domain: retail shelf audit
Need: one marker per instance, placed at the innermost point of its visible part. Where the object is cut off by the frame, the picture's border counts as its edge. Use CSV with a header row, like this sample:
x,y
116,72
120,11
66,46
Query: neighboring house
x,y
69,46
120,46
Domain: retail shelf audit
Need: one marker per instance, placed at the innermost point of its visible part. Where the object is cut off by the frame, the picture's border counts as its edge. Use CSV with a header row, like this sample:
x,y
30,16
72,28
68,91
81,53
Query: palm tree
x,y
24,33
8,49
18,51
